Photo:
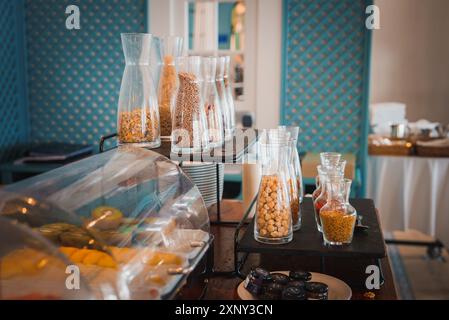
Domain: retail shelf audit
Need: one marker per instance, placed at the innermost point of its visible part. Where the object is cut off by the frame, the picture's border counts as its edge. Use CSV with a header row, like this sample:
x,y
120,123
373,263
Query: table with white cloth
x,y
411,193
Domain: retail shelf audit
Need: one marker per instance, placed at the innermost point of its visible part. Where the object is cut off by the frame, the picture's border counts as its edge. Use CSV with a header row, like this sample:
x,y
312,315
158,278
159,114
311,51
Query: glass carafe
x,y
221,90
295,160
273,224
323,173
170,50
337,222
212,107
229,96
138,111
292,182
328,160
189,130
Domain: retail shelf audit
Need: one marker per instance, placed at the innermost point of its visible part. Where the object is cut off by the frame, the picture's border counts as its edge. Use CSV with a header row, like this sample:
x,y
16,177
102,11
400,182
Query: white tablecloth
x,y
411,193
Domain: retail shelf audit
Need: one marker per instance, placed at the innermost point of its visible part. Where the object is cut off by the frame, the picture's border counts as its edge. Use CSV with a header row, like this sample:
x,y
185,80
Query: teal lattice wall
x,y
325,82
74,75
13,109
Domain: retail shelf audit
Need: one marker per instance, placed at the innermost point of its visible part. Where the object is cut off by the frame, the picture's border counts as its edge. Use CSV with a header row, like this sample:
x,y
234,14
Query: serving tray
x,y
308,241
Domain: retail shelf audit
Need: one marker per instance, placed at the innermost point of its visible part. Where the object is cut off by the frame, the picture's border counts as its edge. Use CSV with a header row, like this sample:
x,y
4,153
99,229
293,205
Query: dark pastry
x,y
256,280
296,284
293,293
272,291
279,278
300,275
316,291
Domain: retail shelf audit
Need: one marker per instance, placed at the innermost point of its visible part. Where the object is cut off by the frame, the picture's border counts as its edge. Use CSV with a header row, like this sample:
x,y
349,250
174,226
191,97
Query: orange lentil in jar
x,y
273,216
337,226
137,126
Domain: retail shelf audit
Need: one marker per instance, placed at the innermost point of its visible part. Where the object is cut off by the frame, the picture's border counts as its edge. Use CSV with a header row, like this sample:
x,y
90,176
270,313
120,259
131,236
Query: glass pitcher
x,y
327,159
292,182
138,111
170,50
337,221
323,173
229,95
219,81
212,107
189,129
273,224
347,183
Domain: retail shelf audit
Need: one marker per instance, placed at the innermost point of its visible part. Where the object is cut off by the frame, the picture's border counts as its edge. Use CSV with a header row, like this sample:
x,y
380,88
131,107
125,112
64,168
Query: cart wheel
x,y
434,252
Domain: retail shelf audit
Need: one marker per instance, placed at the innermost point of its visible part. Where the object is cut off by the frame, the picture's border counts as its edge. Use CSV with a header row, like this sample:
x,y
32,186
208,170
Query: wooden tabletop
x,y
352,271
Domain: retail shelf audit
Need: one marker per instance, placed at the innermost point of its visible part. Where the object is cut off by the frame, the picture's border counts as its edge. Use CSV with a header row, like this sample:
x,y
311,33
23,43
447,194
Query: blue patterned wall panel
x,y
326,60
13,111
74,75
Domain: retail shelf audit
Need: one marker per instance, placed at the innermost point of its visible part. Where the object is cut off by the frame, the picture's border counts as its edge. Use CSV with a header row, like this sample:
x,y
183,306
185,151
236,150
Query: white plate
x,y
338,290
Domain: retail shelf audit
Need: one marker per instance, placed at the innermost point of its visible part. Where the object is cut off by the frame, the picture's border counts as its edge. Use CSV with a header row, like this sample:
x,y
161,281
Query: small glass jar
x,y
212,106
138,111
337,222
273,219
189,130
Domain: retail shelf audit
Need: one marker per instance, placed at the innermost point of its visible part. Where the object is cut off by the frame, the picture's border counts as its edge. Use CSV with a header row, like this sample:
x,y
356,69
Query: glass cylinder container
x,y
226,112
337,222
323,173
138,111
295,160
170,50
273,213
189,130
229,95
212,107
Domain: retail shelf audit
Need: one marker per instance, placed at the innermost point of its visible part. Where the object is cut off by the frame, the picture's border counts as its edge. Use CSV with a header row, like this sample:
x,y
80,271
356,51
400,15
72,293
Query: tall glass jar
x,y
170,50
295,160
273,224
337,222
226,112
212,106
229,95
292,182
138,111
189,131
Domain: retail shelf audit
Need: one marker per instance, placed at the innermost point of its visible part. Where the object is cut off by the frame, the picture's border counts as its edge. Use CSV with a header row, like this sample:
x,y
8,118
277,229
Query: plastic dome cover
x,y
31,268
129,218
